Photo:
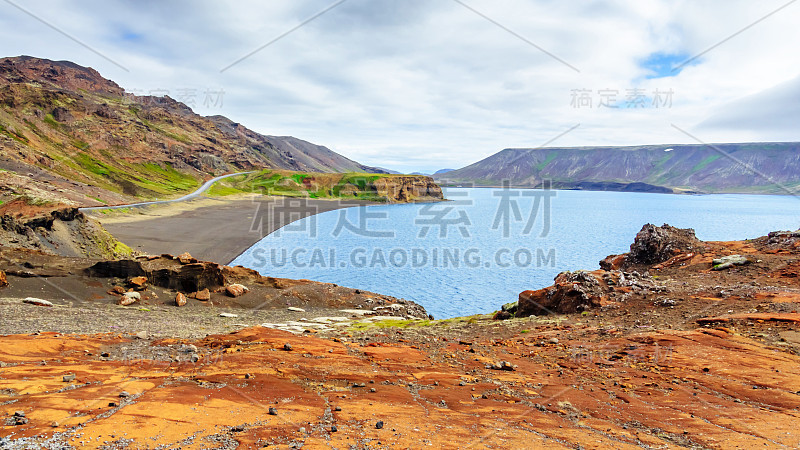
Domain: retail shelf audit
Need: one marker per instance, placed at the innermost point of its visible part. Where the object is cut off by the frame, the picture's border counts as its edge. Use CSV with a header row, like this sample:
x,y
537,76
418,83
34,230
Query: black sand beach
x,y
210,229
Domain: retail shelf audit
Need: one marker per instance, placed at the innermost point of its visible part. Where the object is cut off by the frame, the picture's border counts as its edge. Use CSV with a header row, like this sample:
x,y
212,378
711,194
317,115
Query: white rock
x,y
295,309
306,324
227,315
129,298
380,318
330,319
37,301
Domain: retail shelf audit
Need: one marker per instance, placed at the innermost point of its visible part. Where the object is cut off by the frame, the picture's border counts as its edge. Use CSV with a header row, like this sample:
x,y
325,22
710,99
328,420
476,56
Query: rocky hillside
x,y
62,231
749,168
69,135
360,186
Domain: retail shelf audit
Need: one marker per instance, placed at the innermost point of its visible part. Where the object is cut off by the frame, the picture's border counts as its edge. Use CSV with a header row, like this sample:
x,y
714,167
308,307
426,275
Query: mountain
x,y
389,171
68,135
768,167
441,171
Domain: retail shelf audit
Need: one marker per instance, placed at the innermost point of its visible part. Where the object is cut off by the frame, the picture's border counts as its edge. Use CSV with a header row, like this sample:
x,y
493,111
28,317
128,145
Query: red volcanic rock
x,y
572,292
236,290
3,279
180,299
613,262
764,317
138,282
203,295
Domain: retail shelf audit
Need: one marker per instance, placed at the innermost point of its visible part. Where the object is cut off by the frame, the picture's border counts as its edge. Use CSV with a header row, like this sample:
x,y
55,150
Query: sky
x,y
421,85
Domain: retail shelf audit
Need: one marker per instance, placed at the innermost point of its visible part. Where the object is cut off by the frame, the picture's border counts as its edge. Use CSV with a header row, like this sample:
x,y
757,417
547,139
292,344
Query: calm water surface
x,y
478,252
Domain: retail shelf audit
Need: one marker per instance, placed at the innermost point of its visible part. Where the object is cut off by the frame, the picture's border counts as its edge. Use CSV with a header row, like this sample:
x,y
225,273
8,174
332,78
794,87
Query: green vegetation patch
x,y
50,120
705,162
301,184
550,157
140,179
13,134
221,190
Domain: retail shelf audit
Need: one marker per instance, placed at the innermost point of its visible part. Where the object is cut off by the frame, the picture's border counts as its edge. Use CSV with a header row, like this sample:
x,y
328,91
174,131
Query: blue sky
x,y
419,85
661,65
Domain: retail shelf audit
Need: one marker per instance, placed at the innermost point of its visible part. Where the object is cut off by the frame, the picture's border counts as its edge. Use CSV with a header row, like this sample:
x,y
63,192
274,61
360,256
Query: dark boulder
x,y
654,244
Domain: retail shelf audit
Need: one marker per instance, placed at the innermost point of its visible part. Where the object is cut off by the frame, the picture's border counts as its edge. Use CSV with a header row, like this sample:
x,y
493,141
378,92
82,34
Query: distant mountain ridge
x,y
769,167
69,135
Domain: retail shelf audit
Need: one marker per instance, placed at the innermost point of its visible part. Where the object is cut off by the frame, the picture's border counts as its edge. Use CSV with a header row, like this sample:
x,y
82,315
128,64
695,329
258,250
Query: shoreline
x,y
211,228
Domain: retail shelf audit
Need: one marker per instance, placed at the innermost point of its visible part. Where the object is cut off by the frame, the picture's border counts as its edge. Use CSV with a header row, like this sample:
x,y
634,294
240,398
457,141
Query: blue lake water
x,y
481,250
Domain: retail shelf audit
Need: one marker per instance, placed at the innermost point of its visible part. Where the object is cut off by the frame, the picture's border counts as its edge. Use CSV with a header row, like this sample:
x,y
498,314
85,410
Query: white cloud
x,y
420,85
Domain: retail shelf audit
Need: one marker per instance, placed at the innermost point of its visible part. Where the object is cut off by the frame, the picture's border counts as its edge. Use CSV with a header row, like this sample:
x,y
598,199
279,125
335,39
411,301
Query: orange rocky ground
x,y
716,366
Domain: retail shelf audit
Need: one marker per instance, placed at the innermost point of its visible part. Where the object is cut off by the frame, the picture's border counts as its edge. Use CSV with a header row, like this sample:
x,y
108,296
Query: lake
x,y
482,249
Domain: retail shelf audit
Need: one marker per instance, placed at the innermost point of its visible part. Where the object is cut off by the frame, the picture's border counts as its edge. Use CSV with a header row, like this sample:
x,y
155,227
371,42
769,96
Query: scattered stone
x,y
359,312
141,335
238,428
334,429
665,302
501,315
236,290
729,261
180,299
113,404
19,413
189,348
273,411
287,347
138,283
129,298
20,420
54,424
3,279
295,309
116,290
552,341
203,295
124,394
195,357
359,385
105,354
229,315
337,408
379,424
502,365
247,376
37,302
68,378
